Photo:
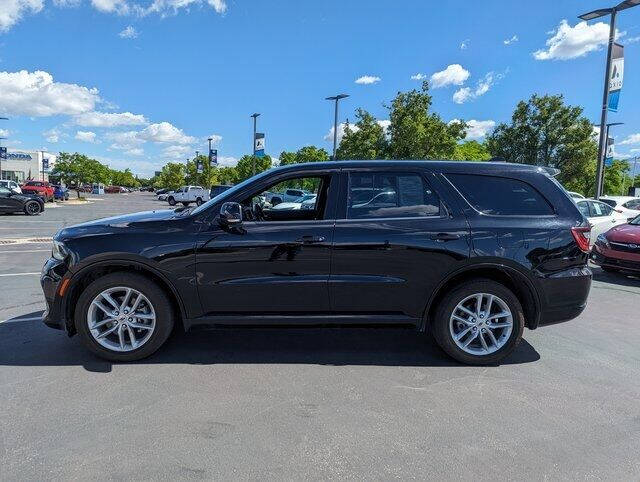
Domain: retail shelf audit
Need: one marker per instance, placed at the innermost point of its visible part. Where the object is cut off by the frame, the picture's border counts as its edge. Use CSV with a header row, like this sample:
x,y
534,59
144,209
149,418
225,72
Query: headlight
x,y
59,251
603,239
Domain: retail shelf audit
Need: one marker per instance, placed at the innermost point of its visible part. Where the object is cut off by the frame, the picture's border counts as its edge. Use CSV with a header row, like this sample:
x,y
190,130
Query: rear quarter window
x,y
501,196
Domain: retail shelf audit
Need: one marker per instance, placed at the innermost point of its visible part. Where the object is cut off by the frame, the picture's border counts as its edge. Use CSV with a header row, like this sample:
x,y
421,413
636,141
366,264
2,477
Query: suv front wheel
x,y
479,323
123,317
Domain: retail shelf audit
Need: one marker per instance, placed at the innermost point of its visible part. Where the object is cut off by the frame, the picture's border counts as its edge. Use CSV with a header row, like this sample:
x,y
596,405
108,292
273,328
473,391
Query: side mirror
x,y
231,214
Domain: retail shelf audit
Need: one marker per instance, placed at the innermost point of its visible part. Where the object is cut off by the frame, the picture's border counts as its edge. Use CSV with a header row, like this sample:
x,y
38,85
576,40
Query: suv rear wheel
x,y
32,208
123,317
172,201
479,323
198,201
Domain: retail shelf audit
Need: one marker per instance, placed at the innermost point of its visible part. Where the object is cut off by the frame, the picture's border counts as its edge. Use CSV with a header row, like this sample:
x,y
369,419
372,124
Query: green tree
x,y
123,178
287,157
207,178
244,168
227,175
544,131
171,177
416,133
77,169
365,141
471,151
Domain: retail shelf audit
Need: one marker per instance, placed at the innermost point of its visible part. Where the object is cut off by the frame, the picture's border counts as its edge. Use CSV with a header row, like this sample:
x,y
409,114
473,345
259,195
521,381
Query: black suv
x,y
471,252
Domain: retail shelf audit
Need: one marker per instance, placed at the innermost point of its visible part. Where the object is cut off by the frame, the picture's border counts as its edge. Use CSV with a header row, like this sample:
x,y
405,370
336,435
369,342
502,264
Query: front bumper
x,y
603,256
50,280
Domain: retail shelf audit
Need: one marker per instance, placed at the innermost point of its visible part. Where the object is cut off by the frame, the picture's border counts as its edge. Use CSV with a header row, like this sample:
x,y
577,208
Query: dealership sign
x,y
259,144
213,157
18,156
616,75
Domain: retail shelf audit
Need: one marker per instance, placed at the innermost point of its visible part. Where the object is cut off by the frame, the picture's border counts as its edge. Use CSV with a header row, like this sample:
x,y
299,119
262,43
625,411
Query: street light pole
x,y
613,11
255,116
336,98
2,118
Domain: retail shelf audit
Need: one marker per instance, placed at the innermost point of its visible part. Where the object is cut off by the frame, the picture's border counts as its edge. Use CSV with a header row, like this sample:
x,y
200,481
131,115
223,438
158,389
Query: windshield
x,y
229,192
636,221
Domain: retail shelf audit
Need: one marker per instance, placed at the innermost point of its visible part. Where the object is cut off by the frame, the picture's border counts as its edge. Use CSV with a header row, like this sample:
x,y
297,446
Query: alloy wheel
x,y
121,319
33,207
481,324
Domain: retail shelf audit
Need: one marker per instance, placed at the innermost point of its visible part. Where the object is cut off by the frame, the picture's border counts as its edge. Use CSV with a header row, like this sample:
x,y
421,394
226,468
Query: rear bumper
x,y
564,295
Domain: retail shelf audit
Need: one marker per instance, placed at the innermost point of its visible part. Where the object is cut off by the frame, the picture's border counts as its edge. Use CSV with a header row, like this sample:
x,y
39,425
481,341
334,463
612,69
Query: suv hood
x,y
625,233
116,222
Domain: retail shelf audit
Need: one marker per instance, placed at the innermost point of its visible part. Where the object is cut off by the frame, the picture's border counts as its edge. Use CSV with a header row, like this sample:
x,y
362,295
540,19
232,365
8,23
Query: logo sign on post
x,y
608,158
3,152
45,165
616,75
199,166
213,157
259,144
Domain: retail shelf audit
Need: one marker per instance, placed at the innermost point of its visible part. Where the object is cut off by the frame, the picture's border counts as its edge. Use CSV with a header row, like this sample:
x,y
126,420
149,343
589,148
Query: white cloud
x,y
632,139
165,132
635,150
4,133
385,123
368,79
227,161
137,151
86,136
121,7
66,3
218,5
477,129
12,11
130,32
511,40
36,94
215,138
109,119
454,74
482,87
125,140
570,42
632,40
418,77
177,152
172,6
464,44
52,135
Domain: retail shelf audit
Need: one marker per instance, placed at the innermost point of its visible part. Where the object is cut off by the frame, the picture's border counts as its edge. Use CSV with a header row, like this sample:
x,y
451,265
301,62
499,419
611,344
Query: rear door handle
x,y
442,237
308,239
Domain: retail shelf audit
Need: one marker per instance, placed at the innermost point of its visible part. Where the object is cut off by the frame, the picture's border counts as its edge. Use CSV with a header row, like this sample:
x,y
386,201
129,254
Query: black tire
x,y
32,208
171,201
442,333
157,297
198,201
610,269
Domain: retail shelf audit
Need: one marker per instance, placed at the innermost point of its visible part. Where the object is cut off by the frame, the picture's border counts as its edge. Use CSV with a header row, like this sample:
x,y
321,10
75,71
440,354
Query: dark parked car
x,y
10,202
471,252
219,189
60,192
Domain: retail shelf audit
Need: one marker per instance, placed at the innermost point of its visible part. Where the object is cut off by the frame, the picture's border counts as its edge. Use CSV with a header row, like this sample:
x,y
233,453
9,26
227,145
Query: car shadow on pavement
x,y
30,343
620,278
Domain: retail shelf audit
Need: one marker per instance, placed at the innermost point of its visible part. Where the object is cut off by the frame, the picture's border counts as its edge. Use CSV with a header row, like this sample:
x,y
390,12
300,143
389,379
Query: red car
x,y
619,248
40,188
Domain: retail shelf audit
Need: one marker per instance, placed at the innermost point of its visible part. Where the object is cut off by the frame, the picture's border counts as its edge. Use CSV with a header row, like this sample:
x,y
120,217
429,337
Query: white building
x,y
22,165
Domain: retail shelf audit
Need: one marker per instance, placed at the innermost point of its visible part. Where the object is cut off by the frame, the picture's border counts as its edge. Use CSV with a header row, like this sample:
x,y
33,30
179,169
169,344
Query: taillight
x,y
582,235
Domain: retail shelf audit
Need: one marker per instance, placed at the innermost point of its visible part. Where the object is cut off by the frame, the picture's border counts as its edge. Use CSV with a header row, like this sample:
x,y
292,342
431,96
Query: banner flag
x,y
616,76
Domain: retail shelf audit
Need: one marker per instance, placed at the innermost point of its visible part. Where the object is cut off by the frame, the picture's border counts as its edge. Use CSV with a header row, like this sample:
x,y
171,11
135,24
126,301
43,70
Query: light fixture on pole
x,y
613,11
255,115
336,98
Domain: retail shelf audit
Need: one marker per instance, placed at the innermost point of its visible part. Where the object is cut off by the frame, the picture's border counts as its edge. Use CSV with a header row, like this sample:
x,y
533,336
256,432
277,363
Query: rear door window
x,y
501,196
390,194
584,208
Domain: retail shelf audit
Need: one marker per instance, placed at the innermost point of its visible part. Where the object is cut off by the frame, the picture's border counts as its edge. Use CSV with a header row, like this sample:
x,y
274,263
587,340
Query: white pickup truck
x,y
187,195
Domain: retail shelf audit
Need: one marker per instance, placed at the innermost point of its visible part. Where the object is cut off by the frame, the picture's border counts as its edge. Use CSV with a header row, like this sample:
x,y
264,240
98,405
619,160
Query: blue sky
x,y
137,83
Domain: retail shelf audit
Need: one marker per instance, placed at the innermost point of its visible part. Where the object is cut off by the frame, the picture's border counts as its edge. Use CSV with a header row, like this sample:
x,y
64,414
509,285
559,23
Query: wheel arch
x,y
86,275
522,287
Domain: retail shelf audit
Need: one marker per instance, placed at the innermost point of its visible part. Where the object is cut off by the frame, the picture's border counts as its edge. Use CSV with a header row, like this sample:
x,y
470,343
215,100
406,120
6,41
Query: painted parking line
x,y
25,251
19,274
16,320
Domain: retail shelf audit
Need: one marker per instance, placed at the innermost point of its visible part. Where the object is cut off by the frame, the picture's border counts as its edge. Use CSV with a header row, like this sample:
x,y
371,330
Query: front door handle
x,y
442,237
308,239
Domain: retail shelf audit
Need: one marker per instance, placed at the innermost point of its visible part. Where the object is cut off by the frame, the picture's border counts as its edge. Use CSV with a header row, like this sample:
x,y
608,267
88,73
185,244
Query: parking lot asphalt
x,y
365,403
